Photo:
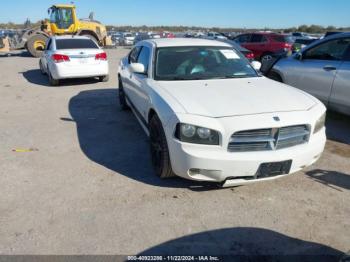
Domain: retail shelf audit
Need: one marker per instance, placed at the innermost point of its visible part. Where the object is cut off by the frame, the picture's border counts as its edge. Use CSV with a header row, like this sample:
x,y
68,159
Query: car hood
x,y
233,97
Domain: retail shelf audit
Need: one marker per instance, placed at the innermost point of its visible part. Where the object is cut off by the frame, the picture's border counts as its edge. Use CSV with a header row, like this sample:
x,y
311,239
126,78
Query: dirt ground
x,y
88,186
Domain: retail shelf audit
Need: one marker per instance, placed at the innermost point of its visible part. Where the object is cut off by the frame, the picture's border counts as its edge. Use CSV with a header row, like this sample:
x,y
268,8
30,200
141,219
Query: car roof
x,y
328,38
169,42
70,37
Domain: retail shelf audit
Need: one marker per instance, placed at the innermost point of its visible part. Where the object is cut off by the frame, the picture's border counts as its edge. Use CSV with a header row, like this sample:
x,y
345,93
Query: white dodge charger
x,y
211,116
73,57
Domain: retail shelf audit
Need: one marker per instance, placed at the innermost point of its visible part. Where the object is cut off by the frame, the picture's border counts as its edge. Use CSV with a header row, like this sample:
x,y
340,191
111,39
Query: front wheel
x,y
122,98
266,57
159,149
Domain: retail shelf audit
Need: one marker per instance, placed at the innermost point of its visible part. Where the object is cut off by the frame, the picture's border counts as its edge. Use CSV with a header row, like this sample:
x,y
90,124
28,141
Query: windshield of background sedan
x,y
201,62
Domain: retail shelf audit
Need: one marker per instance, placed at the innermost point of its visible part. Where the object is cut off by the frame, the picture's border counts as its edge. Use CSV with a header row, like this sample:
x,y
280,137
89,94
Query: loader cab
x,y
62,19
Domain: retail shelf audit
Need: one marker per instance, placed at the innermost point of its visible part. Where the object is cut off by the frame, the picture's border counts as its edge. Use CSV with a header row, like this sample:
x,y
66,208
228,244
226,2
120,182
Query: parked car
x,y
211,117
73,57
263,44
300,35
127,39
321,69
117,38
144,36
215,35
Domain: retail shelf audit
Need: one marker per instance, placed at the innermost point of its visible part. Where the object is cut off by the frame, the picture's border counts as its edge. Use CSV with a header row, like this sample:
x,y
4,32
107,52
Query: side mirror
x,y
137,68
256,65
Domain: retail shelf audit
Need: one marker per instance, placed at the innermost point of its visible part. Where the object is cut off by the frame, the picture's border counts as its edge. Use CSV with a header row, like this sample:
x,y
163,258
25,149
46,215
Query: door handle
x,y
329,68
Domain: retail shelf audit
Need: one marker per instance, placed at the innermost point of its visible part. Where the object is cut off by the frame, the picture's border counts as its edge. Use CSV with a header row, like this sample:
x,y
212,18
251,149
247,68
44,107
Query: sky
x,y
206,13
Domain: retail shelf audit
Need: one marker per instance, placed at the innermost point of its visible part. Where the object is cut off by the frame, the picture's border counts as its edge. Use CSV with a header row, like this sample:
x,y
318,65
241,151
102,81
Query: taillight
x,y
249,55
287,45
57,58
101,56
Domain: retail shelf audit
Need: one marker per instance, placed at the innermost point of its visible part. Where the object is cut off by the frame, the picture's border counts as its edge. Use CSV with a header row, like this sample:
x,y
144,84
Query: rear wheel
x,y
53,82
159,149
36,45
103,78
42,68
266,57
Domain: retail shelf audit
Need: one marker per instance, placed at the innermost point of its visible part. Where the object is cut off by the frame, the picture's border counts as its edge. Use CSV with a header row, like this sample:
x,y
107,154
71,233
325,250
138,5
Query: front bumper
x,y
235,168
217,164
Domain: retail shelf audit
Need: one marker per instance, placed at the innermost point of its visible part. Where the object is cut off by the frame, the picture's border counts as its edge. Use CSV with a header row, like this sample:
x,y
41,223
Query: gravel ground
x,y
88,186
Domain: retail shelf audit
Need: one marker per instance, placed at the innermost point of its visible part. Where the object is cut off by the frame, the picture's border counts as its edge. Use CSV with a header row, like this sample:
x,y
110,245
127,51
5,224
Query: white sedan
x,y
212,117
73,57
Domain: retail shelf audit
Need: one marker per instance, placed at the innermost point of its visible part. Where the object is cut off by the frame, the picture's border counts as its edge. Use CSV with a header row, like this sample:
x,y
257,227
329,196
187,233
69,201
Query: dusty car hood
x,y
232,97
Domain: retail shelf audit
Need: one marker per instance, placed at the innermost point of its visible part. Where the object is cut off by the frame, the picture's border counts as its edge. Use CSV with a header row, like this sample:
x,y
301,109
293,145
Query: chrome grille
x,y
268,139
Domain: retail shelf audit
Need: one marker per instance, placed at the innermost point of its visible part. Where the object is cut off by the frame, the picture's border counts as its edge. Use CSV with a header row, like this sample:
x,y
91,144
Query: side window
x,y
243,38
256,38
144,57
331,50
134,54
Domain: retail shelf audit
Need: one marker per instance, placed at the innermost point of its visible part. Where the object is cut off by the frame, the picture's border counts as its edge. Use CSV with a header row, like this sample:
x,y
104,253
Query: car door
x,y
340,96
127,74
138,82
315,71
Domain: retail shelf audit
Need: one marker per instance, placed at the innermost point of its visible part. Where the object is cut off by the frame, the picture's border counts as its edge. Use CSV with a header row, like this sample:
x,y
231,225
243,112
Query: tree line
x,y
312,29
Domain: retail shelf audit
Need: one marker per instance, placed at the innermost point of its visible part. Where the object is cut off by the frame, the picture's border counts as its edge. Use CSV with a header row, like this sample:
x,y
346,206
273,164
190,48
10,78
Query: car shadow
x,y
34,76
16,54
114,139
333,179
246,244
338,127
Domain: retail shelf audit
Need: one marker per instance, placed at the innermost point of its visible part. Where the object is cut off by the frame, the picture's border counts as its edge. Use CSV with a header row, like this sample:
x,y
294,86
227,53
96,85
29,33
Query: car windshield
x,y
75,44
201,62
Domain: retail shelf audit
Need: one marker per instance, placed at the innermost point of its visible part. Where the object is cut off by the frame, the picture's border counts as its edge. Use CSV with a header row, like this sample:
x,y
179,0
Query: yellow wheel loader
x,y
62,21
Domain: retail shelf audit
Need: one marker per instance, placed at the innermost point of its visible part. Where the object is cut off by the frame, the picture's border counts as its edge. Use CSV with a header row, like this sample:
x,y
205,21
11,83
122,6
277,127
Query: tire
x,y
103,78
52,81
159,149
266,57
41,68
36,45
275,76
122,98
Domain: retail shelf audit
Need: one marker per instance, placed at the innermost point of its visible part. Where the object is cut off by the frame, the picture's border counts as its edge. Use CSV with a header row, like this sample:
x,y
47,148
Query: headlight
x,y
320,123
196,134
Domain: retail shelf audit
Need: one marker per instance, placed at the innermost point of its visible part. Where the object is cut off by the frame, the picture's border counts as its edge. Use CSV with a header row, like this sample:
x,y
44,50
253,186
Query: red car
x,y
263,45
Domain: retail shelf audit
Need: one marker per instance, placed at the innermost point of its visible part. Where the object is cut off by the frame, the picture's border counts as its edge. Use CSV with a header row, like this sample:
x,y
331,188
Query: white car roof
x,y
70,37
168,42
